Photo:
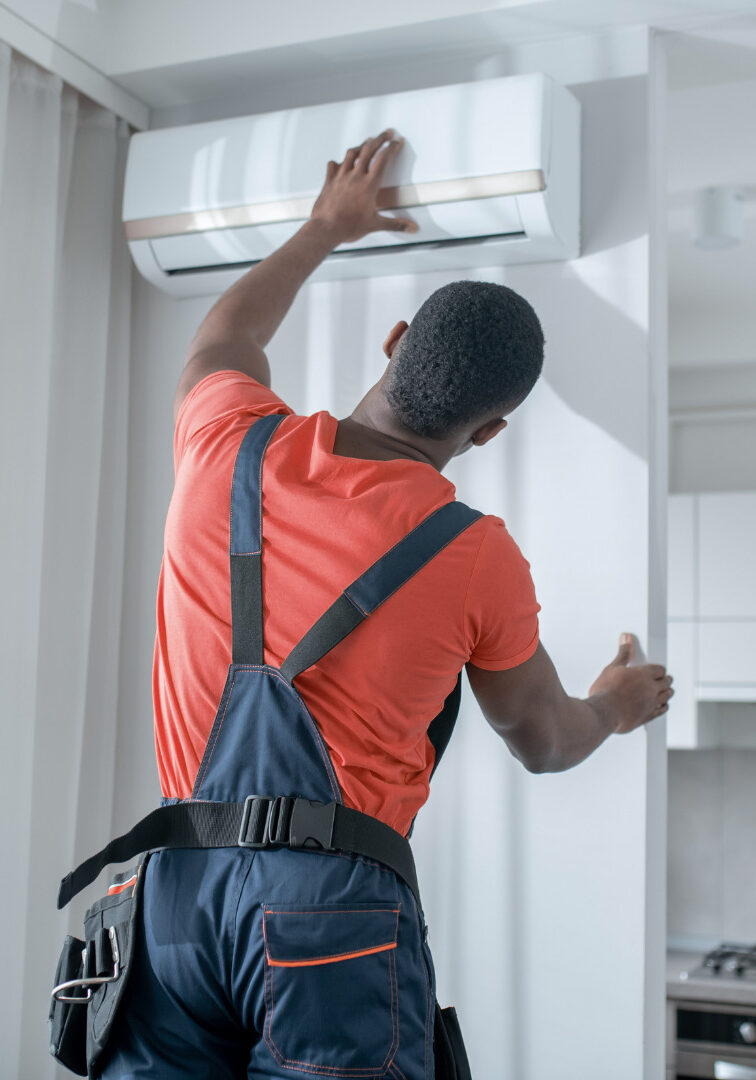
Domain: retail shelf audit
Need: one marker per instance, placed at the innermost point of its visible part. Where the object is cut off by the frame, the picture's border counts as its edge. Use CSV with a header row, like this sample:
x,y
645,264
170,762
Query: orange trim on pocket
x,y
114,889
331,959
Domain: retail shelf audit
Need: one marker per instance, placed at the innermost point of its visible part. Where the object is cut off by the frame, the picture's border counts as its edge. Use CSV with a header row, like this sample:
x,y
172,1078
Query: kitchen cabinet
x,y
727,655
711,612
726,563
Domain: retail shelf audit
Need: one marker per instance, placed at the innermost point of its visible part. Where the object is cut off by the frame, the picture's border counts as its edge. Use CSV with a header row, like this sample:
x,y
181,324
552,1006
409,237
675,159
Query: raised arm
x,y
549,731
237,328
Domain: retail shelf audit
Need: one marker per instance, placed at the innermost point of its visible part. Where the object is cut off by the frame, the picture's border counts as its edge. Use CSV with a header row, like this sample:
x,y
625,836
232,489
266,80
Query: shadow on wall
x,y
594,310
598,305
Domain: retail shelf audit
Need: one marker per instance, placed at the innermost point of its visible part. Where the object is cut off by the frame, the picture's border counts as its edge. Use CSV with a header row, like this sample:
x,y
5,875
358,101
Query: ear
x,y
392,340
487,431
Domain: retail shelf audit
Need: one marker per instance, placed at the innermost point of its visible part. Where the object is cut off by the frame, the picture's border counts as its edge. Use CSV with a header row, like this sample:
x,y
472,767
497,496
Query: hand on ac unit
x,y
347,203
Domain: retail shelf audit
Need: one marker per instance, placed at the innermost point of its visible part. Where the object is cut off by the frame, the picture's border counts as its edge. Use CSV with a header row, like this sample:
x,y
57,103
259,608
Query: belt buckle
x,y
312,824
250,804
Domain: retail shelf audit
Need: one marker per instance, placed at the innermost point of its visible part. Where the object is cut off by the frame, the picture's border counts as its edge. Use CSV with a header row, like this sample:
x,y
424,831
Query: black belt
x,y
261,821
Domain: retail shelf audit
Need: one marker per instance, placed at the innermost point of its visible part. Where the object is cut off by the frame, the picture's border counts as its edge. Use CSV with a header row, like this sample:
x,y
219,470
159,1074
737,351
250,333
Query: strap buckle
x,y
265,821
269,821
312,824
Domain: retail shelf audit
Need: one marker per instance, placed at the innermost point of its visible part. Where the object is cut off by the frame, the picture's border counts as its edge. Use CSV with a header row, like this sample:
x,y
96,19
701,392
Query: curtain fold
x,y
65,294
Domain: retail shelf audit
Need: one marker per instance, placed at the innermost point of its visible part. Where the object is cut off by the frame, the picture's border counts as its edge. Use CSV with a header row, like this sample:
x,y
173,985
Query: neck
x,y
374,425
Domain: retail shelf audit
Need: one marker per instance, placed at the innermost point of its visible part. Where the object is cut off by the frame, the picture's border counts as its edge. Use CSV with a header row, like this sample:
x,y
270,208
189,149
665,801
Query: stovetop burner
x,y
730,959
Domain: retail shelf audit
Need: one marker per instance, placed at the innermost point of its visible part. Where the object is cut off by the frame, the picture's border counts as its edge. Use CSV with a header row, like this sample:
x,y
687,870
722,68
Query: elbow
x,y
542,751
544,763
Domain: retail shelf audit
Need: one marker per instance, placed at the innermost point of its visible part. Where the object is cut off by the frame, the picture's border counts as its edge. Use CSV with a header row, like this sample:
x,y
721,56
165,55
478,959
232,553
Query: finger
x,y
331,170
387,154
625,651
393,224
369,148
656,671
349,159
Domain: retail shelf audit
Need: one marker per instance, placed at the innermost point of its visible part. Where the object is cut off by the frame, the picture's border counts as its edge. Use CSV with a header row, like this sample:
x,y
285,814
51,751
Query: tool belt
x,y
93,972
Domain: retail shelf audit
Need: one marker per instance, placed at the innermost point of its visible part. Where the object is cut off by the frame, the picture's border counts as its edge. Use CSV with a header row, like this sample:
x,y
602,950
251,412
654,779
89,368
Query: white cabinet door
x,y
682,724
727,555
727,653
681,562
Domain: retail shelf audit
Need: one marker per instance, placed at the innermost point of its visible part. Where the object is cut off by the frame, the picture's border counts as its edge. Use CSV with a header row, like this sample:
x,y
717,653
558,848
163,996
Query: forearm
x,y
579,727
254,307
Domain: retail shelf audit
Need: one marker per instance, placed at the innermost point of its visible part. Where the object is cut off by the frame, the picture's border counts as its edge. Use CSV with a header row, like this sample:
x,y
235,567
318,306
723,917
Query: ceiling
x,y
171,53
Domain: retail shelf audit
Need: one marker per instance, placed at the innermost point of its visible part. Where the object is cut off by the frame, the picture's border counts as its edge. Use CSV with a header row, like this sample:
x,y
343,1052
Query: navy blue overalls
x,y
279,962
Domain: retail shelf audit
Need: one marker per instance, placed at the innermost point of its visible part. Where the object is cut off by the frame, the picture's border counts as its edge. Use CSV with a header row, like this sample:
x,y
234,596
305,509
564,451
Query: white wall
x,y
560,876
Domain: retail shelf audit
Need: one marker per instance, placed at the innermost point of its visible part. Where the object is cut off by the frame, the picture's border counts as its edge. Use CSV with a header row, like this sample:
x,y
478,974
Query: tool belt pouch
x,y
68,1020
448,1046
92,975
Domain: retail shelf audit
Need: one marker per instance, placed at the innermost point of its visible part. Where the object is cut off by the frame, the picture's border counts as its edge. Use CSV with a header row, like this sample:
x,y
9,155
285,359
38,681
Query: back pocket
x,y
331,995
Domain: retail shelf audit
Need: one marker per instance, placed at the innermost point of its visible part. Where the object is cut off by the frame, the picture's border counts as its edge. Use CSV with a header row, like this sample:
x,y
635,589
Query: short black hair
x,y
474,347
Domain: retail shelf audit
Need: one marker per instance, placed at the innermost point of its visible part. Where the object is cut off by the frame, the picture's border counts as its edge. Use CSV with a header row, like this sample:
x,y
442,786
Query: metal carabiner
x,y
94,981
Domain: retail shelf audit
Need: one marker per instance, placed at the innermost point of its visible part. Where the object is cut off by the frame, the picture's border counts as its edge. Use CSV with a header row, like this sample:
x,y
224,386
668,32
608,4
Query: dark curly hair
x,y
473,348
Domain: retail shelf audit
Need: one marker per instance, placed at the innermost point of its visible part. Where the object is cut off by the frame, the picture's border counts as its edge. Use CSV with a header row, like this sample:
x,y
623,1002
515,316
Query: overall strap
x,y
377,584
245,549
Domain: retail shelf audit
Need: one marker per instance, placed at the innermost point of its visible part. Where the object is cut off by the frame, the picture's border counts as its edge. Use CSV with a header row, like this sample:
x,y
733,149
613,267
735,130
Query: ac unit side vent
x,y
357,253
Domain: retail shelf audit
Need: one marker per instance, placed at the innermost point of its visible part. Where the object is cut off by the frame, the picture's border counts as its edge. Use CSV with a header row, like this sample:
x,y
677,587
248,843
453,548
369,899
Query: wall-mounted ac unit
x,y
490,170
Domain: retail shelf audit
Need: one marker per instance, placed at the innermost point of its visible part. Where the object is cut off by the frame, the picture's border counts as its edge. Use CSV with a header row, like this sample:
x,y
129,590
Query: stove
x,y
712,1014
738,961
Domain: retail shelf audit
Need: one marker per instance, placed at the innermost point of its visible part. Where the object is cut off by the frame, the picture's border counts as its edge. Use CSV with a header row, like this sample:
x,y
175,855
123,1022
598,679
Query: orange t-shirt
x,y
326,518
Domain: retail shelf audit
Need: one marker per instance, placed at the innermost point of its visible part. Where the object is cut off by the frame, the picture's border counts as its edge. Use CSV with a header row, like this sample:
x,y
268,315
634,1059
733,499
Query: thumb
x,y
396,224
625,651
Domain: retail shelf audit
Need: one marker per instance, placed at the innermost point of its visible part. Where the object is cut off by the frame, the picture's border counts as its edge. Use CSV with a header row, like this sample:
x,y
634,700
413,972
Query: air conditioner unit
x,y
490,170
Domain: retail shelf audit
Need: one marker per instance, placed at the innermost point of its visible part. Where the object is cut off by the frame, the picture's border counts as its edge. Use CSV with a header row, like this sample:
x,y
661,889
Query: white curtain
x,y
65,295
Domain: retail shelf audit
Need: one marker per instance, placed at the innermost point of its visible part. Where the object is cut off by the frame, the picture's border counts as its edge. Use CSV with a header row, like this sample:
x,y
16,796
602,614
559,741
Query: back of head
x,y
474,349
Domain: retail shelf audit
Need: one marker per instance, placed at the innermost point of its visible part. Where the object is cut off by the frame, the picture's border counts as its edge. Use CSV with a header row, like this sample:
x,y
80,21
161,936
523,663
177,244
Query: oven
x,y
714,1040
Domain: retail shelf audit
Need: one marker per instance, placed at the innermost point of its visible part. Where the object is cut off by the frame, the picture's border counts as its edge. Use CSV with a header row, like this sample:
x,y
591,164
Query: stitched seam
x,y
354,603
336,911
330,957
401,540
426,563
265,445
236,914
198,787
318,961
318,737
427,1022
394,1011
332,779
414,529
303,639
327,1070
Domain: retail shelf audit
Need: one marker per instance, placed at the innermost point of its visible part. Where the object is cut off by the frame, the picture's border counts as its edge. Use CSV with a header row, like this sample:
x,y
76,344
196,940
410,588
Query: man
x,y
274,963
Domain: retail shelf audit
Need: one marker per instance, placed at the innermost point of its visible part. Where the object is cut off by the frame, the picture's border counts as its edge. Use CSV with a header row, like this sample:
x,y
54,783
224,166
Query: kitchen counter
x,y
722,989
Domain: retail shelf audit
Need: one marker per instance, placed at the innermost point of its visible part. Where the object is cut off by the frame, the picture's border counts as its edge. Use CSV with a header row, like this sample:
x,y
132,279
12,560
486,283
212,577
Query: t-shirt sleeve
x,y
501,609
218,398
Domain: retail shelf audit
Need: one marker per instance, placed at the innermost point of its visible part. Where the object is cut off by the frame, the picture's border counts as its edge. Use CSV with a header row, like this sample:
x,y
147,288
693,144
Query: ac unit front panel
x,y
416,258
467,129
447,221
490,171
